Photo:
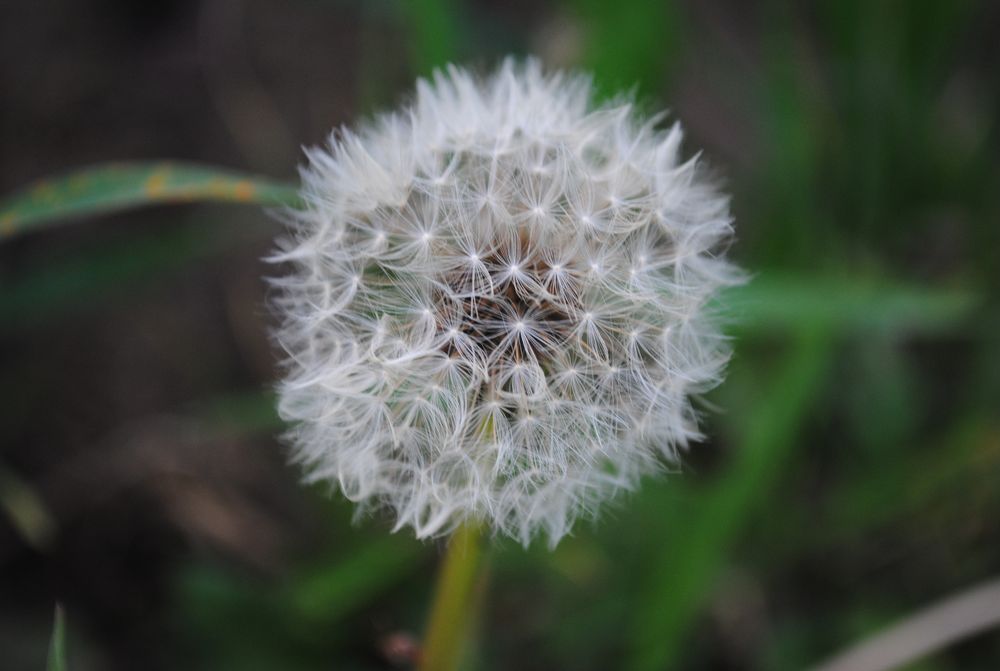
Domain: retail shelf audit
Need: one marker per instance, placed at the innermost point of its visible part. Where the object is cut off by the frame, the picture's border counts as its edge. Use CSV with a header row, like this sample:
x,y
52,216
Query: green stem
x,y
455,601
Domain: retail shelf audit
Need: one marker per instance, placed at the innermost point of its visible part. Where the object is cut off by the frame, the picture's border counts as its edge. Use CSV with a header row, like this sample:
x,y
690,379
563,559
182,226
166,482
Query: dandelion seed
x,y
496,304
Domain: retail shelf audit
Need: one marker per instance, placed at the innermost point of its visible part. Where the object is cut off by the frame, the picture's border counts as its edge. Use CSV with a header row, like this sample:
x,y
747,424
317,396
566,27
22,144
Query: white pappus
x,y
497,304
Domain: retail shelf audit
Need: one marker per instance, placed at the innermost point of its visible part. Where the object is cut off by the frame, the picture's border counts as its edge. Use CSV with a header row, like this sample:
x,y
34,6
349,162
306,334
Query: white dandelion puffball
x,y
497,309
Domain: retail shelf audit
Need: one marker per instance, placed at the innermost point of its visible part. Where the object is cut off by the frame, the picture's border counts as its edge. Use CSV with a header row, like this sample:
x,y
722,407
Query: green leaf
x,y
332,591
26,511
57,646
630,43
118,186
434,30
780,303
690,556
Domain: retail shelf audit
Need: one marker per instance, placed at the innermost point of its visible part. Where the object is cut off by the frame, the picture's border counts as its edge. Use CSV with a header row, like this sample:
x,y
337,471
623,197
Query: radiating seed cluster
x,y
497,304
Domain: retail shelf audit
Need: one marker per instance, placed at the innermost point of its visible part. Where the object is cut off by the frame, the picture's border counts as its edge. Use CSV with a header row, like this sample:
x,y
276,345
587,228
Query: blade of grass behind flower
x,y
113,187
779,303
434,32
692,553
26,511
57,645
335,589
641,59
305,611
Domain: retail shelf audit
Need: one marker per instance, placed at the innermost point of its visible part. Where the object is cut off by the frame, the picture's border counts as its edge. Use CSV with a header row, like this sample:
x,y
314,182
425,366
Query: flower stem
x,y
455,601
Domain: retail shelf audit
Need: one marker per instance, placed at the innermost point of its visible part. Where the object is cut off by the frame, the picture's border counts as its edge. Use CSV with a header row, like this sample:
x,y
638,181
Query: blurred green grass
x,y
57,646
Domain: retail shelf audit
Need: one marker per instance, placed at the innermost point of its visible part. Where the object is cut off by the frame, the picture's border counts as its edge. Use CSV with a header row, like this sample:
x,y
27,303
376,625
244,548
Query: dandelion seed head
x,y
496,304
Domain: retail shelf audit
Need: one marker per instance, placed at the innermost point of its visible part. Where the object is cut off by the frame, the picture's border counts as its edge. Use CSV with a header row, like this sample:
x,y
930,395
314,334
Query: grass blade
x,y
330,592
688,564
781,303
57,646
113,187
434,31
26,511
654,31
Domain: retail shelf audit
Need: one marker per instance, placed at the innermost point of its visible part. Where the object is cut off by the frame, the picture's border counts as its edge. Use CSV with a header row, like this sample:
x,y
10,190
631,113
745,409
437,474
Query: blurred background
x,y
850,474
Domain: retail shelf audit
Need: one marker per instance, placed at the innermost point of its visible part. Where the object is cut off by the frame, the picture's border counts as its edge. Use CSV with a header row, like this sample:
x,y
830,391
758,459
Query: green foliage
x,y
435,32
118,186
330,592
782,302
694,547
57,646
631,44
303,618
25,511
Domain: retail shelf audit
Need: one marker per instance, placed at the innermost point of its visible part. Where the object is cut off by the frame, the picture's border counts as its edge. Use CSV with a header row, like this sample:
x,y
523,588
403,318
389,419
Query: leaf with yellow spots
x,y
112,187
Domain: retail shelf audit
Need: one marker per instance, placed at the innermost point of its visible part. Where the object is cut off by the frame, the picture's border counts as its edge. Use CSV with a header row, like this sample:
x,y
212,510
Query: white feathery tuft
x,y
498,308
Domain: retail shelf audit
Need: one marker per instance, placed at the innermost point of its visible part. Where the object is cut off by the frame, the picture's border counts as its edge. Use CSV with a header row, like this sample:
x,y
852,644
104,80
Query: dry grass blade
x,y
953,619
